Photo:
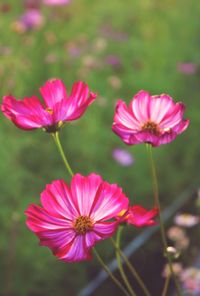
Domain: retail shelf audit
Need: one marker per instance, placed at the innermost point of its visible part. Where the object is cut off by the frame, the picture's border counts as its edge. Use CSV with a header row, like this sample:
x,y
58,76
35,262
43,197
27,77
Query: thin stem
x,y
105,267
166,285
132,269
120,266
157,204
62,153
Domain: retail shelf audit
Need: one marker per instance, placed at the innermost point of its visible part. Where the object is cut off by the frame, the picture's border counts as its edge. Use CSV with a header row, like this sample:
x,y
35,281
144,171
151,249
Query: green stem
x,y
61,151
120,266
132,269
166,285
105,267
157,204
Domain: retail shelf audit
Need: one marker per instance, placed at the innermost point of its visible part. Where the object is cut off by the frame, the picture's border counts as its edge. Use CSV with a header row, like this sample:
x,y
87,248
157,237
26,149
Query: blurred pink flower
x,y
58,107
123,157
176,233
149,119
177,269
73,219
186,220
114,61
31,19
187,68
56,2
191,280
138,216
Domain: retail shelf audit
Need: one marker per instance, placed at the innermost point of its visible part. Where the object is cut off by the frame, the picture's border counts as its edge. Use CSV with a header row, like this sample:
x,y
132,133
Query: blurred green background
x,y
117,48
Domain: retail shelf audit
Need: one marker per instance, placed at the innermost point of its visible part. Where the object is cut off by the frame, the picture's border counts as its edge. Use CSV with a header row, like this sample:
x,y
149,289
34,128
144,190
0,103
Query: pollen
x,y
151,127
49,110
83,224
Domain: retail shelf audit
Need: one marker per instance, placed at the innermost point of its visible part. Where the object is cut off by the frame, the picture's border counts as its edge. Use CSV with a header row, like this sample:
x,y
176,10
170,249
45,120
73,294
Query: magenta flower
x,y
56,2
149,119
31,19
187,68
123,157
58,107
138,216
73,219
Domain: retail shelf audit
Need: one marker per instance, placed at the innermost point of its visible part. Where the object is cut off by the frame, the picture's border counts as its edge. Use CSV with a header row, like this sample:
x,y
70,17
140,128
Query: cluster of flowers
x,y
73,218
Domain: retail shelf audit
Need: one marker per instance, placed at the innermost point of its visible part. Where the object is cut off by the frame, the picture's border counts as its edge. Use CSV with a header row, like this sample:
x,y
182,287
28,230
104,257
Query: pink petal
x,y
100,231
56,239
39,220
57,201
140,106
144,137
105,229
108,202
124,117
122,132
173,116
160,106
84,191
80,98
53,92
27,113
76,251
181,127
139,216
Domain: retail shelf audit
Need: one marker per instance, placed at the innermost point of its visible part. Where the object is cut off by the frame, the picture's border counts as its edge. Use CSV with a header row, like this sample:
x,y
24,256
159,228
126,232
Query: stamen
x,y
151,127
49,110
83,224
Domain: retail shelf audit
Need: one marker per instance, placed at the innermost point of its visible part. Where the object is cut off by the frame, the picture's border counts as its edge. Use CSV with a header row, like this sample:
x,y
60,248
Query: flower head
x,y
73,219
186,220
190,278
123,157
56,2
139,216
149,119
57,108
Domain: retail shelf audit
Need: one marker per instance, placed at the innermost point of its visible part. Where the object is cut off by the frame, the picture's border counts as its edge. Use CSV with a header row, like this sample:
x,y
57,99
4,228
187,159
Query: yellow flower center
x,y
83,224
151,127
49,110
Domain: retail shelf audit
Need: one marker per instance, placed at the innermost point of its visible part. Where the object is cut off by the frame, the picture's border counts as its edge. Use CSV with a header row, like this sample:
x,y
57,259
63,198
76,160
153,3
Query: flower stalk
x,y
157,204
105,267
61,151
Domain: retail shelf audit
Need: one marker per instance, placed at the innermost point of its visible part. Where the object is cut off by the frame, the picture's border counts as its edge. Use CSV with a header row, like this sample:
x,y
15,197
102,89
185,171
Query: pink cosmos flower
x,y
73,219
138,216
31,19
187,68
149,119
57,108
56,2
123,157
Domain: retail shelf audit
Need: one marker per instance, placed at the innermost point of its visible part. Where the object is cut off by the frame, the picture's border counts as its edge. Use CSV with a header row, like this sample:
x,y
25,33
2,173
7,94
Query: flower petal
x,y
173,116
140,216
140,106
79,99
39,220
124,117
57,200
27,113
56,239
159,107
76,251
109,202
84,191
53,92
